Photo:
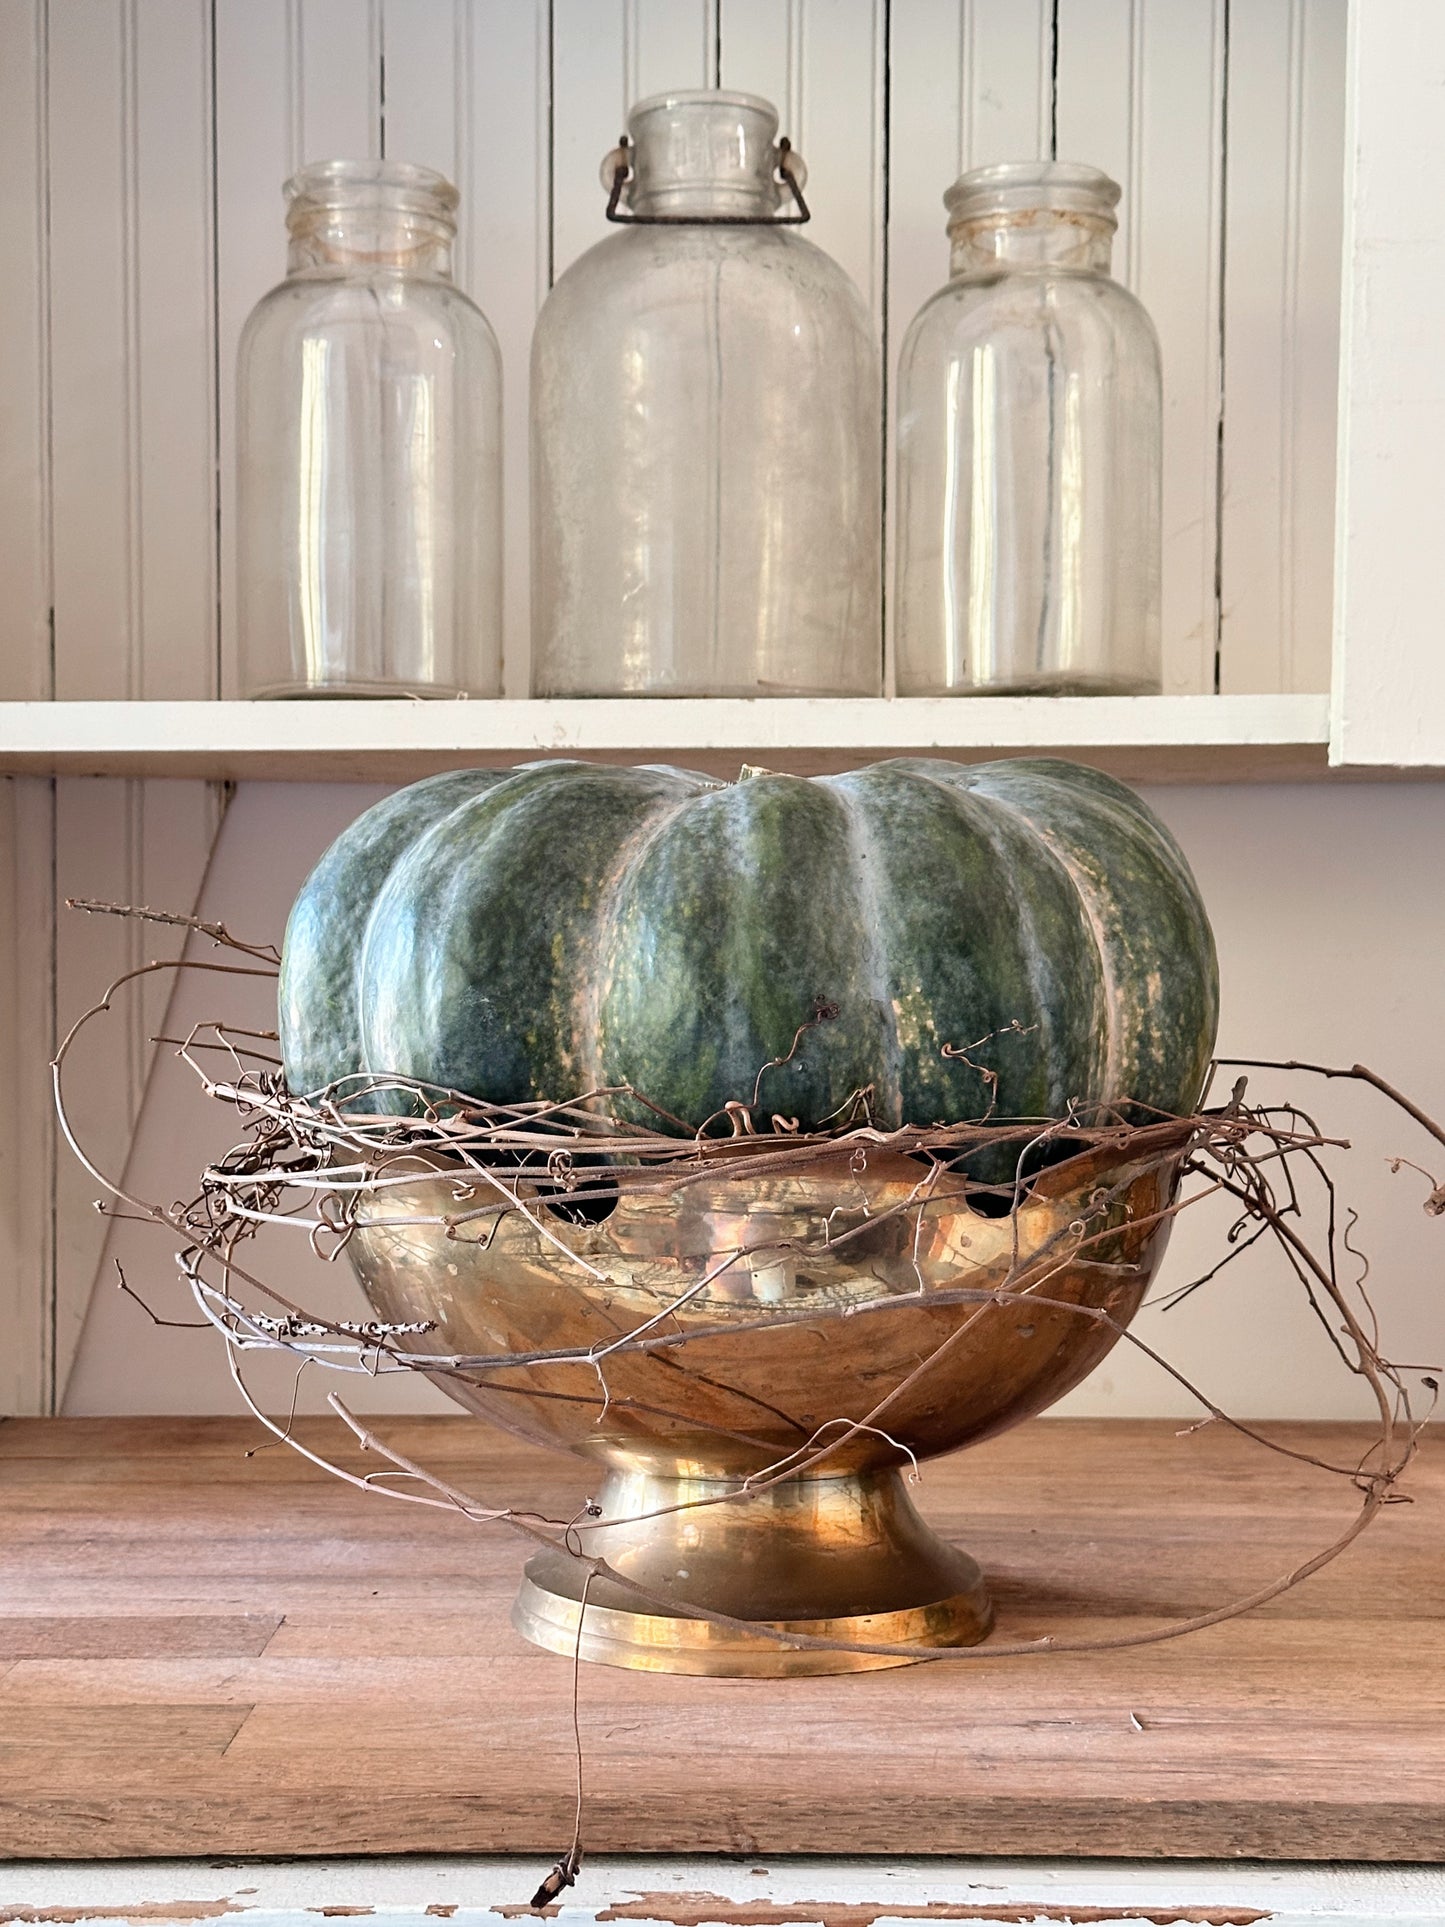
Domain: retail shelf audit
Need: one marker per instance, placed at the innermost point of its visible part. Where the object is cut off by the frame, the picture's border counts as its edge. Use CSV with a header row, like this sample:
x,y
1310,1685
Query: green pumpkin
x,y
545,931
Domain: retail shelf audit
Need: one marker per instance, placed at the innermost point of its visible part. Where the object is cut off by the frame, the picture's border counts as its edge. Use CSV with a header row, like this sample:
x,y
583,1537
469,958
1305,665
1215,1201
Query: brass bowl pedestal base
x,y
844,1558
737,1320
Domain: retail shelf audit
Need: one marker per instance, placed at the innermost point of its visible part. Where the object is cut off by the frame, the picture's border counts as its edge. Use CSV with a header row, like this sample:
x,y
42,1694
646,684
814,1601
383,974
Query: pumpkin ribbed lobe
x,y
325,946
734,926
540,932
482,934
972,958
593,987
872,910
1135,887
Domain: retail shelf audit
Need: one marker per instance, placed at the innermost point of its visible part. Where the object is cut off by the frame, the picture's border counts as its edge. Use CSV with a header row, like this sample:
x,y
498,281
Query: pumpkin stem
x,y
755,769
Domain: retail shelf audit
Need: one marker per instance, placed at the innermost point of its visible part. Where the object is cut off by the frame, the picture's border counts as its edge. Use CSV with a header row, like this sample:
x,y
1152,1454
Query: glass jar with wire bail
x,y
1029,434
369,549
706,439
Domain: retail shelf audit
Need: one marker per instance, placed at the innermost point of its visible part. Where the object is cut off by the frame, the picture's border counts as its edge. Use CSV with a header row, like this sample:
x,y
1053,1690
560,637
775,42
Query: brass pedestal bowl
x,y
709,1338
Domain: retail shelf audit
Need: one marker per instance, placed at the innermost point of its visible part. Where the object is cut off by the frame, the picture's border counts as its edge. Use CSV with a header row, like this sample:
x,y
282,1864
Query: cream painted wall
x,y
1331,931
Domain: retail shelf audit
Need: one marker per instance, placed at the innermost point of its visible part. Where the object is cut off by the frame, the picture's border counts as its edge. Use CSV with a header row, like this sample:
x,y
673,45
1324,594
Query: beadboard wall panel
x,y
1281,339
26,805
145,143
1141,91
296,80
825,64
1234,246
25,667
468,87
133,515
590,58
1234,243
670,43
127,842
27,1136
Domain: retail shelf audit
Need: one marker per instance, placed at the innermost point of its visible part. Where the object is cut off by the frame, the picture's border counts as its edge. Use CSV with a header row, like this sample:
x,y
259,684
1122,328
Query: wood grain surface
x,y
207,1653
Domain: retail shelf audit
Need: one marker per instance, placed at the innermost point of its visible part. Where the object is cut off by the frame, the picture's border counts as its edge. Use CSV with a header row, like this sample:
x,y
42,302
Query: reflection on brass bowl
x,y
769,1314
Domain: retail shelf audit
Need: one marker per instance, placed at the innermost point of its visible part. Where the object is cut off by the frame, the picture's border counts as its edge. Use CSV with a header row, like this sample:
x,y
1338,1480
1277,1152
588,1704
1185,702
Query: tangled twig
x,y
326,1163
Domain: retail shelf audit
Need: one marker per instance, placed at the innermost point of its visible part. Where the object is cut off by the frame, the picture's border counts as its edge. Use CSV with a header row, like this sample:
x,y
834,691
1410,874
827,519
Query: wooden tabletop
x,y
204,1653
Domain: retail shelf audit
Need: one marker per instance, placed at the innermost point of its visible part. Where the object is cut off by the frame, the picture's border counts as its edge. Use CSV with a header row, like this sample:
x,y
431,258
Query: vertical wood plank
x,y
173,517
93,324
25,668
762,53
336,78
140,843
1181,131
969,82
1312,423
133,404
606,54
467,91
1261,209
505,175
589,111
823,64
258,142
1180,120
426,75
134,415
297,80
26,806
926,79
926,82
1141,94
1007,81
1100,99
1139,90
669,45
843,136
98,854
1280,343
27,1133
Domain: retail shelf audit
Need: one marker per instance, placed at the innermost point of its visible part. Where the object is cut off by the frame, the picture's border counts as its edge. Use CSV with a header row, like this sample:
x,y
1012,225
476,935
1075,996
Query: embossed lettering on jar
x,y
706,453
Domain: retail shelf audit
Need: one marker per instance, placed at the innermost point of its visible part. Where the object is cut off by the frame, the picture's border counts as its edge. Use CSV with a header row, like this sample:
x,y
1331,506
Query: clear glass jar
x,y
1029,452
706,441
369,544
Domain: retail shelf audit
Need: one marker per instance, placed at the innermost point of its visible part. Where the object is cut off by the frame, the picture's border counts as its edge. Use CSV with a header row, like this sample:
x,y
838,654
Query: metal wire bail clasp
x,y
789,172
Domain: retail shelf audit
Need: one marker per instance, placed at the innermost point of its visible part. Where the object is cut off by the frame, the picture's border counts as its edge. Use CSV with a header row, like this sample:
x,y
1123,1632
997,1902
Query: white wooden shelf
x,y
1147,738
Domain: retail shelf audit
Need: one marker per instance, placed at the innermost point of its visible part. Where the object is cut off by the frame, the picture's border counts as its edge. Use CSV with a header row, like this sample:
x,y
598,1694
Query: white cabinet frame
x,y
1388,685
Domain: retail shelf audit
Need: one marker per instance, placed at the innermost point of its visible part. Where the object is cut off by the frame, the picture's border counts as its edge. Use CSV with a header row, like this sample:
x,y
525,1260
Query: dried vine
x,y
308,1164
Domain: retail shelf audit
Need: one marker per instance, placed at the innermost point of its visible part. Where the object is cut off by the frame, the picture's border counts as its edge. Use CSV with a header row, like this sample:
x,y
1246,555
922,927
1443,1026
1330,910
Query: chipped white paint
x,y
470,1892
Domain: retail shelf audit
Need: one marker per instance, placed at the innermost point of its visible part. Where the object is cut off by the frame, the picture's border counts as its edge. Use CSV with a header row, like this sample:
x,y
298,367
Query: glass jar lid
x,y
1009,191
398,188
705,152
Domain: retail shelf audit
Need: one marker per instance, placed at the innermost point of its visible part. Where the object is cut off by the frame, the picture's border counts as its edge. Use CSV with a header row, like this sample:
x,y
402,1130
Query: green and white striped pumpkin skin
x,y
548,930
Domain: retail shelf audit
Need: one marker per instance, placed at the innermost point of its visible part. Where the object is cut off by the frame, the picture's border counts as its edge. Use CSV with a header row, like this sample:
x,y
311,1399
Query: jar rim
x,y
703,97
402,187
1010,188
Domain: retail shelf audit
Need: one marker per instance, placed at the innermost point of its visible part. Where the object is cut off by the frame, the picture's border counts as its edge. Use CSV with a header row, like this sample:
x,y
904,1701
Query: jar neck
x,y
1034,238
699,155
369,241
371,217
